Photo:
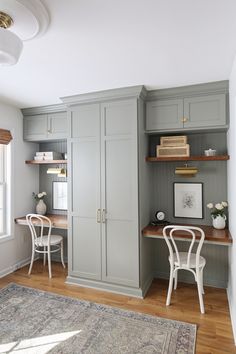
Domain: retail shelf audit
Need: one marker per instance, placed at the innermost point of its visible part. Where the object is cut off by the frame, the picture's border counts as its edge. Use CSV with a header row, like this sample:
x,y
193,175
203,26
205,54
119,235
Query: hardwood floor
x,y
214,333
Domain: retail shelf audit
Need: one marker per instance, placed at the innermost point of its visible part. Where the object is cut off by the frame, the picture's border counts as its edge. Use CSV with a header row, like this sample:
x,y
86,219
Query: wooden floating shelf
x,y
45,162
190,158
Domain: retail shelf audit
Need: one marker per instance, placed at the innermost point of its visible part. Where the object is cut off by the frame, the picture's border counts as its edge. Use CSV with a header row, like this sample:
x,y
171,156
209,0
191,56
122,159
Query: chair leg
x,y
176,279
199,288
62,260
201,274
31,262
49,263
170,286
44,256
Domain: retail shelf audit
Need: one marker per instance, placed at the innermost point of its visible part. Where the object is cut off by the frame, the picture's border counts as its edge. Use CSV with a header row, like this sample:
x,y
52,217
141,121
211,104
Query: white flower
x,y
225,204
44,193
40,195
219,206
210,205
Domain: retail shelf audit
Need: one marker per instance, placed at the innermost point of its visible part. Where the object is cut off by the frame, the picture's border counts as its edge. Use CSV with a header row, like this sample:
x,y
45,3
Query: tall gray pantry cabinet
x,y
104,227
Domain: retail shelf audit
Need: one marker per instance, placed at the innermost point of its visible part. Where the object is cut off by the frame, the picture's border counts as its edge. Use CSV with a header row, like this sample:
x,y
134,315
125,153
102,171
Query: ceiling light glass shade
x,y
10,47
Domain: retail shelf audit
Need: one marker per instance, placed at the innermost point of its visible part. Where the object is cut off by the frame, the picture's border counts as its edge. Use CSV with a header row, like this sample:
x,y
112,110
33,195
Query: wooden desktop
x,y
213,236
58,221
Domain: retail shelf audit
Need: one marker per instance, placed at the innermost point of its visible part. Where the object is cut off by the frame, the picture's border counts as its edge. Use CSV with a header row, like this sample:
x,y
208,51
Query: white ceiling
x,y
94,45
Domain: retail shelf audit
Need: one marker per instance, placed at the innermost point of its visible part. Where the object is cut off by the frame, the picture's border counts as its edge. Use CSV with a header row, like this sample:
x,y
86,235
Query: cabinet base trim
x,y
147,285
118,289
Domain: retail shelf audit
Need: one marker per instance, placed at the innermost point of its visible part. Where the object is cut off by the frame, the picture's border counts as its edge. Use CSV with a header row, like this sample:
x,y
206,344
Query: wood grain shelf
x,y
58,221
214,236
190,158
45,162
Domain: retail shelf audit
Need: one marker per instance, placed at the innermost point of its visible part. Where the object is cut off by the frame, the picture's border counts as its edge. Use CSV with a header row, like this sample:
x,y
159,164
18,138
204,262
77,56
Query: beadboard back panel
x,y
46,180
212,174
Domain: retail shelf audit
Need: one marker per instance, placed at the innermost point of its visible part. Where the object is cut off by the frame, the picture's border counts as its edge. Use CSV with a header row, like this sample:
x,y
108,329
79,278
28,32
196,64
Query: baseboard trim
x,y
231,316
14,267
117,289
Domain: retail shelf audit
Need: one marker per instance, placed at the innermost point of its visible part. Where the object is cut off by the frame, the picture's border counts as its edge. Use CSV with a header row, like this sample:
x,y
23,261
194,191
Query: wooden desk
x,y
213,236
58,221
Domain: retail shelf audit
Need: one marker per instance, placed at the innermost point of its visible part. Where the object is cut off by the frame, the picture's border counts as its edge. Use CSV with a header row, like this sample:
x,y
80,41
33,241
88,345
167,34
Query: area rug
x,y
38,322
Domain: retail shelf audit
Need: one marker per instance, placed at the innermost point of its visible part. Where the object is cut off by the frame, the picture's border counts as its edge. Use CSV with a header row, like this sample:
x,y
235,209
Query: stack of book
x,y
47,155
173,146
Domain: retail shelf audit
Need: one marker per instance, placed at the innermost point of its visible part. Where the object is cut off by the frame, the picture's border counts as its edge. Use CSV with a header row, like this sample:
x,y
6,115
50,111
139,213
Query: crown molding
x,y
191,90
43,109
120,93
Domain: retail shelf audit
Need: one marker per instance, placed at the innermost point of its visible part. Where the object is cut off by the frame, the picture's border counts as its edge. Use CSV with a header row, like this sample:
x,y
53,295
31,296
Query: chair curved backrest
x,y
36,220
170,240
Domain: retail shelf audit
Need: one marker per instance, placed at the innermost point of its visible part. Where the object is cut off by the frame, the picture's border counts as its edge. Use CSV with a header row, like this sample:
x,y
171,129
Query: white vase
x,y
219,222
41,207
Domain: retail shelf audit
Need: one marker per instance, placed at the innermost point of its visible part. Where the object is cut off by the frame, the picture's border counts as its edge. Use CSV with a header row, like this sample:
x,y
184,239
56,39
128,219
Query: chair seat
x,y
183,260
54,240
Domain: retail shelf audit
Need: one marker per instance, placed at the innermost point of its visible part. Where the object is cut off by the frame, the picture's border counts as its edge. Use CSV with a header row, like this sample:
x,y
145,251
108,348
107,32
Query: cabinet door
x,y
57,125
85,231
120,237
205,111
35,127
164,115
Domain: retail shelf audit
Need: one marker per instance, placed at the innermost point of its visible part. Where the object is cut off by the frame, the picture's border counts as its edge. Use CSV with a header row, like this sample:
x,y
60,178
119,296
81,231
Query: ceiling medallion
x,y
20,20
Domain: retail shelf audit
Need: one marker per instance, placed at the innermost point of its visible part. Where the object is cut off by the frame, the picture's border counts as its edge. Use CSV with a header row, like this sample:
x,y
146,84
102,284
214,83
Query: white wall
x,y
232,197
25,180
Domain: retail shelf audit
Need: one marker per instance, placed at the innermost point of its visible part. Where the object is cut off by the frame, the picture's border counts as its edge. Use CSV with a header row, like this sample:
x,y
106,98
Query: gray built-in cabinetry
x,y
103,149
201,113
114,193
42,124
197,107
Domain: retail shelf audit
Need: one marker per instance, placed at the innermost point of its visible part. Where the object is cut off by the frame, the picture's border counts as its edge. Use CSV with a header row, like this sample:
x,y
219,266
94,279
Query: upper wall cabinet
x,y
195,111
43,127
164,114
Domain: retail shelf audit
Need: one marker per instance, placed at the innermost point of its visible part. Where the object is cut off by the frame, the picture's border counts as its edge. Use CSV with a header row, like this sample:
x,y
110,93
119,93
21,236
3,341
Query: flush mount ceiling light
x,y
20,20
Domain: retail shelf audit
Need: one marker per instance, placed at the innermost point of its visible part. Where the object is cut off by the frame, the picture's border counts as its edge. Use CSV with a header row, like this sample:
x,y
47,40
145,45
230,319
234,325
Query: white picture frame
x,y
59,192
188,201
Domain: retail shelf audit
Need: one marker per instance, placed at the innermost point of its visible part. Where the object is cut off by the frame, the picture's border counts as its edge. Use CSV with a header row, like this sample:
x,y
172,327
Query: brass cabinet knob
x,y
184,120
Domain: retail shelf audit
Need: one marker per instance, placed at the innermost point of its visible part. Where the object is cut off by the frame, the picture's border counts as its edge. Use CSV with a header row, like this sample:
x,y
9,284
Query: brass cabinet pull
x,y
103,215
98,216
184,120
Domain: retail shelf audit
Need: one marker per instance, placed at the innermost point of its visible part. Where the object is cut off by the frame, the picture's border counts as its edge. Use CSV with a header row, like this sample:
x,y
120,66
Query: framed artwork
x,y
188,200
59,193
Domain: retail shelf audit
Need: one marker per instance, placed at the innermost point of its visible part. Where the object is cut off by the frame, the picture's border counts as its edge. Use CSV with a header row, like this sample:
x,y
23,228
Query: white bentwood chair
x,y
44,243
192,262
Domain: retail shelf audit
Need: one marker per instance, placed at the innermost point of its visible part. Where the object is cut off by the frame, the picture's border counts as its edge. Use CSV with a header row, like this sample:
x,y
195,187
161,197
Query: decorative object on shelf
x,y
41,207
173,146
218,214
173,140
47,156
173,151
26,19
59,195
210,152
186,171
160,215
188,200
160,219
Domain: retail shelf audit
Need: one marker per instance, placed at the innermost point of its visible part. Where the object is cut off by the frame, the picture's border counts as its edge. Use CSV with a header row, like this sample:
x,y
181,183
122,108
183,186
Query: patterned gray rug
x,y
38,322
